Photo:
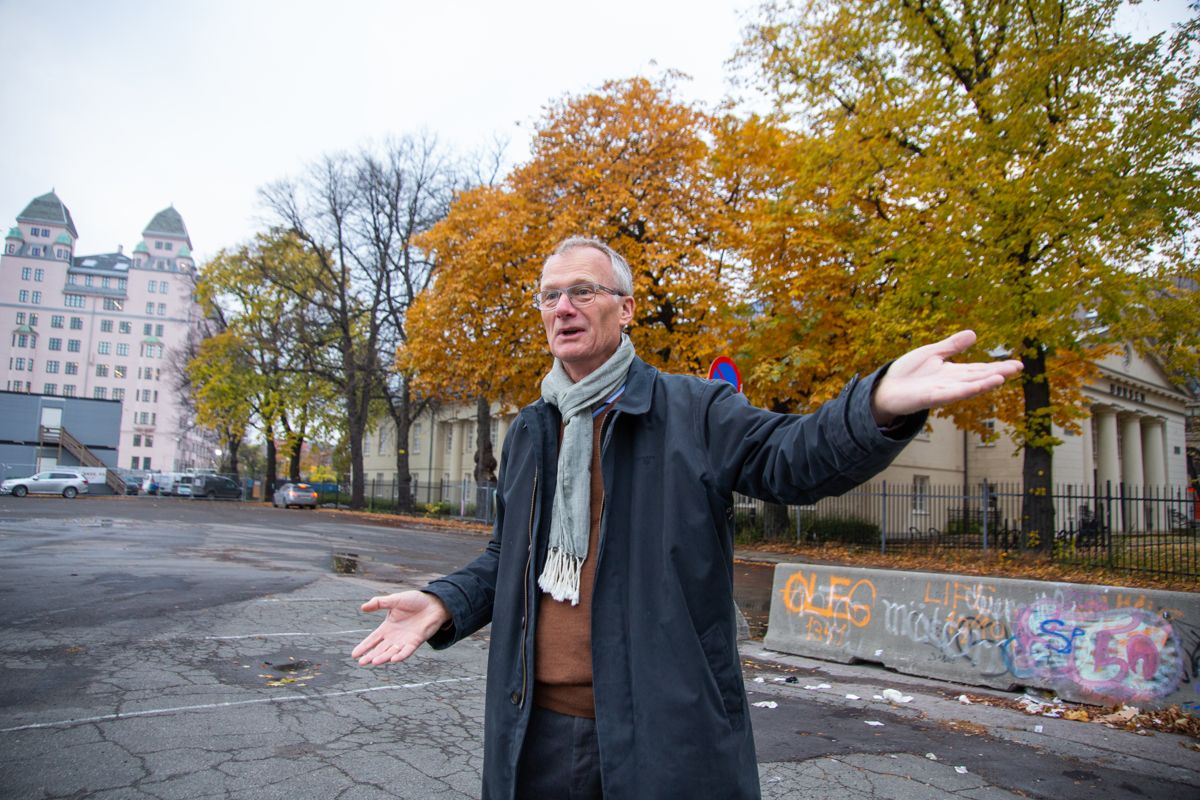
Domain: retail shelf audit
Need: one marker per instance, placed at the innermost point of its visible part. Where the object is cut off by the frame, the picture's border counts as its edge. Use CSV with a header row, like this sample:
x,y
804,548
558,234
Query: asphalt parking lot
x,y
169,648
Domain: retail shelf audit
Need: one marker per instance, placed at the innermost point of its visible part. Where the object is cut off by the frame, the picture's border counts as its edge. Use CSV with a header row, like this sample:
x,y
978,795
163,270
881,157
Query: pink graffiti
x,y
1109,655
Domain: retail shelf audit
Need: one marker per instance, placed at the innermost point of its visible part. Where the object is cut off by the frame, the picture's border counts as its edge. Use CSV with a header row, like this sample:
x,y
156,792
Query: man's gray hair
x,y
622,275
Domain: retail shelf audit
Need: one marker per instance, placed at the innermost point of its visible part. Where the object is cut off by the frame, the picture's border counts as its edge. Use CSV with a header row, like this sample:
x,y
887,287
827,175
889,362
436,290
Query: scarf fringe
x,y
560,577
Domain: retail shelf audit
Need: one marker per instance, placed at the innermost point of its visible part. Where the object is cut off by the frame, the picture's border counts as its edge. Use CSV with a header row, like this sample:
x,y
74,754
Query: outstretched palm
x,y
924,378
412,617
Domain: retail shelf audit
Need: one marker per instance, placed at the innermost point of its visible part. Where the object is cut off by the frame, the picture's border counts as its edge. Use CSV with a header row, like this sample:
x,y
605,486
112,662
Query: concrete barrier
x,y
1089,644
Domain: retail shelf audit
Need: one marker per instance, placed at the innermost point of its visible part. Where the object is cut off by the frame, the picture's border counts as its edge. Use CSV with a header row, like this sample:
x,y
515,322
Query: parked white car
x,y
53,481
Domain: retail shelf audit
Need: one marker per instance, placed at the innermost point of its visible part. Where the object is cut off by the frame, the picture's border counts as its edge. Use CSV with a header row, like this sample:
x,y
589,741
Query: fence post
x,y
987,513
1107,530
884,521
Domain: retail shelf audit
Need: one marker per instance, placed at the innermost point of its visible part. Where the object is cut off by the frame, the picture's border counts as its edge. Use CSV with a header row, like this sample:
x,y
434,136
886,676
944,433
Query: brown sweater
x,y
563,647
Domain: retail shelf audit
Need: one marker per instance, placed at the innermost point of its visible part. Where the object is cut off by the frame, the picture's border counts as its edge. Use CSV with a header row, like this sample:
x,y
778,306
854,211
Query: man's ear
x,y
628,306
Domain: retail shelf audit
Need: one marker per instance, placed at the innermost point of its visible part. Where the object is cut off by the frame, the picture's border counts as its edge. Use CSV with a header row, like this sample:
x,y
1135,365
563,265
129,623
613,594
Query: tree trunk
x,y
776,523
269,479
485,460
402,417
1037,507
234,443
357,401
294,457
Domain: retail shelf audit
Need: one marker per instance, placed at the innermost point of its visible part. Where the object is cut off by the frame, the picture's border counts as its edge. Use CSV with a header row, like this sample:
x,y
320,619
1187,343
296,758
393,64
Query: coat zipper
x,y
525,616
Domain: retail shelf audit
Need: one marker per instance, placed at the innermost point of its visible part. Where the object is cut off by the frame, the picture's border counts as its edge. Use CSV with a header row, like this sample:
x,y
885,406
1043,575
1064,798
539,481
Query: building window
x,y
102,370
383,437
158,330
20,365
73,301
26,273
118,394
50,388
105,282
60,253
147,329
89,280
23,296
168,246
125,327
55,344
119,371
56,321
414,436
73,346
77,322
39,274
69,390
162,307
72,280
920,498
122,348
153,287
146,462
100,393
149,308
449,438
52,367
106,326
989,439
133,462
33,320
22,339
149,442
158,245
104,348
121,283
71,368
37,298
162,287
111,304
137,440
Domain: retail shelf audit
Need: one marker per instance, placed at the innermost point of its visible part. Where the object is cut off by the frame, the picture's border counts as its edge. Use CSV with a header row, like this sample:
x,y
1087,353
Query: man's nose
x,y
564,306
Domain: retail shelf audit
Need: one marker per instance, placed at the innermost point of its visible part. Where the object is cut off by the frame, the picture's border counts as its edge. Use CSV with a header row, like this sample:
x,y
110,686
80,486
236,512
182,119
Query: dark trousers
x,y
560,759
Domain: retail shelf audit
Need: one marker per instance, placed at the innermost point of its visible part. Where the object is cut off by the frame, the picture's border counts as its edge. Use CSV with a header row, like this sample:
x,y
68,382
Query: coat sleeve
x,y
470,592
797,459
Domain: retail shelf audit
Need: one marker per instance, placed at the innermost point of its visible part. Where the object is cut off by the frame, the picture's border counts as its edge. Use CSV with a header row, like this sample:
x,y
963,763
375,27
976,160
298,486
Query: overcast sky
x,y
127,106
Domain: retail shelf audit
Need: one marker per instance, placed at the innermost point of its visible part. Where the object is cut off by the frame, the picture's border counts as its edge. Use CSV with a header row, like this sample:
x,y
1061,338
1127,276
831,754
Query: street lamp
x,y
217,459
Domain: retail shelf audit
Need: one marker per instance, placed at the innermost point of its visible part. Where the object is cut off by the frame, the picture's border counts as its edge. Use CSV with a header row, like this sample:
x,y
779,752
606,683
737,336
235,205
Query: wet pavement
x,y
174,649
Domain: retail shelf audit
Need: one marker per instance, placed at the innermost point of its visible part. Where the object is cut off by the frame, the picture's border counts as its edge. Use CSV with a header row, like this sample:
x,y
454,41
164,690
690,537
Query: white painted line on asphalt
x,y
299,633
232,703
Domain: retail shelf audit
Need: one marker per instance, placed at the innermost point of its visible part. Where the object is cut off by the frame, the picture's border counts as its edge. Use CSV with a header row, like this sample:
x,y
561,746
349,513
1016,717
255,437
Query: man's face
x,y
583,338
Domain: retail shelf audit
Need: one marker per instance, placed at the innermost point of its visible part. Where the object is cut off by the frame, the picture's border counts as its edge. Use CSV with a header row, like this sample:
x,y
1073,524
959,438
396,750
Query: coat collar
x,y
639,386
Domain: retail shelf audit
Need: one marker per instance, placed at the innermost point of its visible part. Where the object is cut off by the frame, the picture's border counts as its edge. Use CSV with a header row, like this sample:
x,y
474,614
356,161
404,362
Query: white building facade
x,y
103,327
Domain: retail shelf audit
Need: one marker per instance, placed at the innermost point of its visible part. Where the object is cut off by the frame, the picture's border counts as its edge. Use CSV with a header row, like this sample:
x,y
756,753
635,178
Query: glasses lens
x,y
582,295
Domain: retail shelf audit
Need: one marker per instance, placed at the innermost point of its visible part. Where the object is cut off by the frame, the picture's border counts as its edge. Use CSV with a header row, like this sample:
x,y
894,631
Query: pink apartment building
x,y
103,326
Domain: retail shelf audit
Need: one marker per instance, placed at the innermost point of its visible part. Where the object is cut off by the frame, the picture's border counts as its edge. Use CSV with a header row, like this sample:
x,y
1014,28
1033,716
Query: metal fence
x,y
1134,529
462,499
1128,528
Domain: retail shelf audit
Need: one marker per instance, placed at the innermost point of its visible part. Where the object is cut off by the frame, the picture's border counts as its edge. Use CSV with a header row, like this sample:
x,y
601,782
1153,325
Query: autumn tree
x,y
269,327
1015,167
357,215
627,164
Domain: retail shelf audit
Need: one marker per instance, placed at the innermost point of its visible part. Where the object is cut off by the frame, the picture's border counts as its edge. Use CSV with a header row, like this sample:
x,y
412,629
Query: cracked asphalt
x,y
164,648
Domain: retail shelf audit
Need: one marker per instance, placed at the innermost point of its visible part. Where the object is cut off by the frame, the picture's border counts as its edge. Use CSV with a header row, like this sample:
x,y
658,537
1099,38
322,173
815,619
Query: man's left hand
x,y
924,378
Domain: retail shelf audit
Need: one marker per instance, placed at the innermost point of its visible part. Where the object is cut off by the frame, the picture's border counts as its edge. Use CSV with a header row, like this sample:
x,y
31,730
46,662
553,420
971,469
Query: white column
x,y
1108,465
456,449
1089,457
1154,452
1132,469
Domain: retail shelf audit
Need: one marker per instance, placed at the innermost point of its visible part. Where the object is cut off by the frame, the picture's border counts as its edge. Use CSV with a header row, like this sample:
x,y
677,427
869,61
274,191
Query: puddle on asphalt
x,y
345,563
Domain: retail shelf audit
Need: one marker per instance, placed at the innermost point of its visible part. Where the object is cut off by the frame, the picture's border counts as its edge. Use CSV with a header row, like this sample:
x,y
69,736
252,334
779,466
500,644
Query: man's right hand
x,y
412,617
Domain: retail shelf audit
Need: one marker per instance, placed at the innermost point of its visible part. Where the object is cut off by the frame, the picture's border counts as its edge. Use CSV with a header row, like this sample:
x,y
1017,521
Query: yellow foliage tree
x,y
628,164
935,164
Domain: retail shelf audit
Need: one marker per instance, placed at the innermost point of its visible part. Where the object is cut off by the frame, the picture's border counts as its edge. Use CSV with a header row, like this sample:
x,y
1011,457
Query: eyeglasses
x,y
580,295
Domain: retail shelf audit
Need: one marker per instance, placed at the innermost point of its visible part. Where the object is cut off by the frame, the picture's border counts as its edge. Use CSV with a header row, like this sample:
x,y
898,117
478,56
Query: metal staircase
x,y
63,440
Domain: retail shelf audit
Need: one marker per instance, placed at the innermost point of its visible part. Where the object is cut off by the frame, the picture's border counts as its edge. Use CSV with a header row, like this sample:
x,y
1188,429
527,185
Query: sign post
x,y
723,369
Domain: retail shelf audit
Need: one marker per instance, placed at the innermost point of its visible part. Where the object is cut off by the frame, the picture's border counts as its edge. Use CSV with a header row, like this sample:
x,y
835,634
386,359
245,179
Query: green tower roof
x,y
48,208
63,239
15,233
141,248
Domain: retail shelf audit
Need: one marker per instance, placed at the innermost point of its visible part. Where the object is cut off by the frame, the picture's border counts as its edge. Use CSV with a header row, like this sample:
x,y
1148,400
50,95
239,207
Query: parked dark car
x,y
300,495
212,487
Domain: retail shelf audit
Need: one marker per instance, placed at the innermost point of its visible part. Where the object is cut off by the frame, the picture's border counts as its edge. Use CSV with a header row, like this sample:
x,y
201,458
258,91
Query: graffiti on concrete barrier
x,y
842,599
1128,654
1097,644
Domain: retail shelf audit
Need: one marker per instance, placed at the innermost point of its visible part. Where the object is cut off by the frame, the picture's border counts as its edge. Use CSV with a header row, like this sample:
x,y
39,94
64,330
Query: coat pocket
x,y
723,665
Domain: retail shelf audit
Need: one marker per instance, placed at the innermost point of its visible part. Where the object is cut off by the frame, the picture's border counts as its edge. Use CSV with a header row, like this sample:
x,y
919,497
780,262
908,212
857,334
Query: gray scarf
x,y
571,517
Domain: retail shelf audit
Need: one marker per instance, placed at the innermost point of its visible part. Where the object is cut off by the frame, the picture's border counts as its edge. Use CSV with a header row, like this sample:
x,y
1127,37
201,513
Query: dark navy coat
x,y
671,711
